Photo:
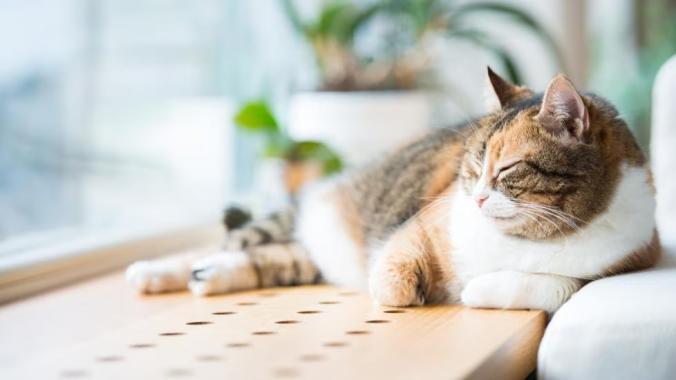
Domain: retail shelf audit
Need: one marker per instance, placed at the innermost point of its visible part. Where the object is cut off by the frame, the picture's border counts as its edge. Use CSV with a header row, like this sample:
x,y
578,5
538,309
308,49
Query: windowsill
x,y
74,327
41,326
73,256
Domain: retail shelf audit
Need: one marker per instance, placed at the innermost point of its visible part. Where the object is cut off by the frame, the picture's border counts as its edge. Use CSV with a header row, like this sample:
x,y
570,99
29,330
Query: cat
x,y
517,210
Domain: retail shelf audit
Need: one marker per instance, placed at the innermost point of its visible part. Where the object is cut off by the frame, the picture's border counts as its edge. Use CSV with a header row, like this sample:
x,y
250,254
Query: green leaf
x,y
332,165
338,21
278,146
256,116
316,151
294,17
360,18
515,14
481,39
421,13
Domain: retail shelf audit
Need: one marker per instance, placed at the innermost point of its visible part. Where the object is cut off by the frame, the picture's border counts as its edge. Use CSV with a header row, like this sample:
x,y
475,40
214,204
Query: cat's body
x,y
516,210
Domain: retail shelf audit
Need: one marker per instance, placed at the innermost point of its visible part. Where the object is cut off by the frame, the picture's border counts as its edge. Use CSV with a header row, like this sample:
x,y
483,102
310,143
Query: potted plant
x,y
302,160
369,102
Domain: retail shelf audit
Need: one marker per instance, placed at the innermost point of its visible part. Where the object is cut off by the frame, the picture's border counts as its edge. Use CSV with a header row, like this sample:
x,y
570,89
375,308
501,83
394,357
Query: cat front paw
x,y
223,273
518,290
491,290
392,285
158,276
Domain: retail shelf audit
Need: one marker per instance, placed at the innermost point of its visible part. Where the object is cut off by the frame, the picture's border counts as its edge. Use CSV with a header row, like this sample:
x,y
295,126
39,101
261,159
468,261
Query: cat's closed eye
x,y
507,167
475,165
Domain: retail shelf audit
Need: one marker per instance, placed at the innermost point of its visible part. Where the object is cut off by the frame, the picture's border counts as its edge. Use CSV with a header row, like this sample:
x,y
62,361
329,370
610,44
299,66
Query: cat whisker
x,y
559,215
544,217
570,217
533,218
534,213
553,209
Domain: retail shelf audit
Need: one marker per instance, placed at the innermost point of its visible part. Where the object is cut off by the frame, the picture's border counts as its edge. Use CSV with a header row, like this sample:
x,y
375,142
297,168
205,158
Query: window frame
x,y
35,270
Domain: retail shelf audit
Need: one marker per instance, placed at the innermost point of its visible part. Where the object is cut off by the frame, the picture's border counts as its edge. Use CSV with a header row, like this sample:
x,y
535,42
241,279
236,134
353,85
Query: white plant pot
x,y
360,125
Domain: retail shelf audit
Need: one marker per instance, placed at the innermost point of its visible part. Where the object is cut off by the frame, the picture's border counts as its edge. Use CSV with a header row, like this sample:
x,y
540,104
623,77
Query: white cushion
x,y
663,147
621,327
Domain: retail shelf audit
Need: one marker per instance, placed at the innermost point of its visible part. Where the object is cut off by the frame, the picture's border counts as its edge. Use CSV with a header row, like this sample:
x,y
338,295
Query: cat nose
x,y
480,199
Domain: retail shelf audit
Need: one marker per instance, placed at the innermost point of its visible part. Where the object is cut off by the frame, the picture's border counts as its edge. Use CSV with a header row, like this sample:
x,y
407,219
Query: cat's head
x,y
544,165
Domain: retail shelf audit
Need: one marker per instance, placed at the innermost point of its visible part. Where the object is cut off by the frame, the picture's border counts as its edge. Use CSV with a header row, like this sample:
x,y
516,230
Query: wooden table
x,y
101,330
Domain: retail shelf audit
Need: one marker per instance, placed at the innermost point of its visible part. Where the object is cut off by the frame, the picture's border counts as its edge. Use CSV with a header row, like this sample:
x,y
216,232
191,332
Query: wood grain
x,y
318,332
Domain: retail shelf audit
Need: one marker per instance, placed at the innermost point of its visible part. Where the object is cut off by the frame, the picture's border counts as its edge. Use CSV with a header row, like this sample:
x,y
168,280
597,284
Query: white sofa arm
x,y
663,148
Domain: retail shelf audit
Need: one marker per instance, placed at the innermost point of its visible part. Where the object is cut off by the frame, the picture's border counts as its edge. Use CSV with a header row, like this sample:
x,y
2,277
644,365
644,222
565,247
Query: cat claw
x,y
222,273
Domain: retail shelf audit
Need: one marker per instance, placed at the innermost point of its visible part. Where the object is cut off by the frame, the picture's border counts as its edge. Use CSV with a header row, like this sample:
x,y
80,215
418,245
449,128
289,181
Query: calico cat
x,y
518,209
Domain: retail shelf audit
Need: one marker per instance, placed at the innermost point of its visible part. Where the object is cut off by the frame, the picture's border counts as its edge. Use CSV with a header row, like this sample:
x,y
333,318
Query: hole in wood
x,y
208,358
223,312
263,333
328,302
198,323
348,294
109,359
335,344
74,373
311,358
247,303
394,311
171,333
179,372
287,322
357,332
286,372
377,321
141,345
238,344
309,312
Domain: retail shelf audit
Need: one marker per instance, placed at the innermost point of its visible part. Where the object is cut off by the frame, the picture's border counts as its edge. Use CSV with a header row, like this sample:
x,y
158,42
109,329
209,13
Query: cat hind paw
x,y
158,276
223,273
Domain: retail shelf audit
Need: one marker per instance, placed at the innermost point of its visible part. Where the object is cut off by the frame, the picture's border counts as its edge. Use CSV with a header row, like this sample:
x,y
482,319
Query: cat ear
x,y
563,112
505,93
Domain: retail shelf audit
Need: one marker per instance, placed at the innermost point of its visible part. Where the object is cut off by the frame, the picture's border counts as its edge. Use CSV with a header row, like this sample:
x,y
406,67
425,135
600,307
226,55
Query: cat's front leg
x,y
394,280
519,290
409,270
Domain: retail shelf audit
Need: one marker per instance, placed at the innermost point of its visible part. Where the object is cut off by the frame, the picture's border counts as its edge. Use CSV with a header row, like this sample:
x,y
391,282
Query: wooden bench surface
x,y
100,329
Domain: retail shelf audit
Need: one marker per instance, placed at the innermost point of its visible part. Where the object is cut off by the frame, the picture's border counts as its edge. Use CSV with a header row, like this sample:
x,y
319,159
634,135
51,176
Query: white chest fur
x,y
628,223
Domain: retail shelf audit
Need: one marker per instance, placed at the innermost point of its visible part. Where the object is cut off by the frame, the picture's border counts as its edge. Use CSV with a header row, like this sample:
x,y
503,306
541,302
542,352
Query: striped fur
x,y
261,266
275,228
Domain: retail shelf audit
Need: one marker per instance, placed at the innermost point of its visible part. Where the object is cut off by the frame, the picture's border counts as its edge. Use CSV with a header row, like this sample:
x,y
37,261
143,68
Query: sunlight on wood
x,y
306,333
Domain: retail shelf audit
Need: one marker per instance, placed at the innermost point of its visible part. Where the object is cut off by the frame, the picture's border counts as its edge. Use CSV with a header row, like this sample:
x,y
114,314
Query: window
x,y
111,117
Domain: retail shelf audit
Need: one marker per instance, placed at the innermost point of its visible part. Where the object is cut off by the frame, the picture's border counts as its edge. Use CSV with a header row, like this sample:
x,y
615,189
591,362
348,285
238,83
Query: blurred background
x,y
116,115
